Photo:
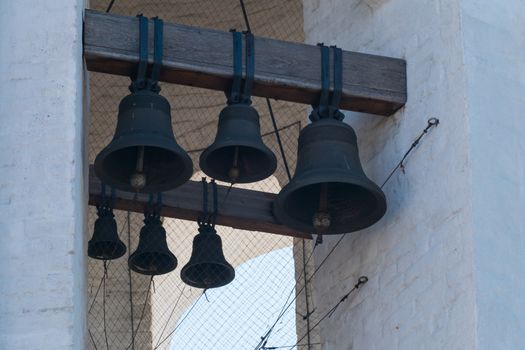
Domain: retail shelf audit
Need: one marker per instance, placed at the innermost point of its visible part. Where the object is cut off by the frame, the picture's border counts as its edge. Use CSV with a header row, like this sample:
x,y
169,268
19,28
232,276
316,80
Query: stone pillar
x,y
446,262
42,173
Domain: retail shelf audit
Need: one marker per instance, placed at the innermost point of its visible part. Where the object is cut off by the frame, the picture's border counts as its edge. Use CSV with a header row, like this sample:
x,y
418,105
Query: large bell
x,y
329,193
238,154
152,256
143,155
207,267
105,243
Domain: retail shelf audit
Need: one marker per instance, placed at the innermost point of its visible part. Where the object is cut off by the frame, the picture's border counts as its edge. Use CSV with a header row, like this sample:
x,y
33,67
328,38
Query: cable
x,y
307,317
361,281
171,314
130,280
141,314
431,122
245,15
96,293
279,142
104,305
110,6
92,340
180,323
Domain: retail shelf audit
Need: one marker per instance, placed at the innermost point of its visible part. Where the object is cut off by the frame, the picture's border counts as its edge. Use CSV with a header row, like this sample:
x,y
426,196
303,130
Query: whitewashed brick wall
x,y
42,201
446,263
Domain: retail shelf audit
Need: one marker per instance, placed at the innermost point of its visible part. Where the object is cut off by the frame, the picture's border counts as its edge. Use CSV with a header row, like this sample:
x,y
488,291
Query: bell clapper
x,y
233,173
321,219
138,178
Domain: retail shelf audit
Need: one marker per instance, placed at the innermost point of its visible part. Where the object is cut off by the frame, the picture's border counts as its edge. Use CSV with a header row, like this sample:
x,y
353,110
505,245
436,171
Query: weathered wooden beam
x,y
243,209
283,70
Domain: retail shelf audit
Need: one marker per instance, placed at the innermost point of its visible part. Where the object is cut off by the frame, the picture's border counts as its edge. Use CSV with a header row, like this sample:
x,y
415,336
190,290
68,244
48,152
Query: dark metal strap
x,y
204,217
338,85
139,80
153,210
215,203
250,68
103,206
319,110
328,106
235,90
325,78
157,54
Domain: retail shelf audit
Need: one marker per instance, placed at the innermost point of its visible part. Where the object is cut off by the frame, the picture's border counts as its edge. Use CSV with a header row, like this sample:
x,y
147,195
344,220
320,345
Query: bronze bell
x,y
105,243
329,193
143,155
238,154
207,267
152,256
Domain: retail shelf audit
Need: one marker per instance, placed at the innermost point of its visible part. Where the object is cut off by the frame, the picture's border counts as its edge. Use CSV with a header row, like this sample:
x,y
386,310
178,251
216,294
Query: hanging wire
x,y
142,313
98,290
307,316
361,281
130,280
278,137
180,323
171,314
110,6
104,304
430,123
245,16
92,340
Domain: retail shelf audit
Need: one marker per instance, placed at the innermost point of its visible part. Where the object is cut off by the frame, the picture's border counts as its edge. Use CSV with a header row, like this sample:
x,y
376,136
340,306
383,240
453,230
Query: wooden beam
x,y
243,209
283,70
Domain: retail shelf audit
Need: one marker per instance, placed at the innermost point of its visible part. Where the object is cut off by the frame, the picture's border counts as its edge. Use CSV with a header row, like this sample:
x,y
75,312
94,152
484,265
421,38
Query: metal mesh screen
x,y
132,311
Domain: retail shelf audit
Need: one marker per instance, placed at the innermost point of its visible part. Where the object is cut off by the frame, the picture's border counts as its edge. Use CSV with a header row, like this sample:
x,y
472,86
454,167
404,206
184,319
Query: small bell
x,y
207,267
105,243
238,154
329,193
152,256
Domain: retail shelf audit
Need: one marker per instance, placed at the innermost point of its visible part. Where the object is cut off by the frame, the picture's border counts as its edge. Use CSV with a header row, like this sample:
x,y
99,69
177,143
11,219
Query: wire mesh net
x,y
129,310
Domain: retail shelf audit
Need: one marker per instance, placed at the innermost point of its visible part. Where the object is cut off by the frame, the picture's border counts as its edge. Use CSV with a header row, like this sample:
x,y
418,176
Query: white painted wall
x,y
494,41
42,172
446,263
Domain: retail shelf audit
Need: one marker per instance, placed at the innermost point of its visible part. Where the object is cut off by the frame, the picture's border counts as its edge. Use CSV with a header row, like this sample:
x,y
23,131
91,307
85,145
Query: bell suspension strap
x,y
213,217
234,94
250,68
328,106
139,79
104,206
157,54
153,210
203,218
333,109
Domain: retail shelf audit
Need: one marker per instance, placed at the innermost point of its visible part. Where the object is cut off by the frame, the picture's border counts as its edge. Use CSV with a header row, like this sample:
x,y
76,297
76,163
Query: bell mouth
x,y
165,167
253,163
106,250
350,206
152,263
207,275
